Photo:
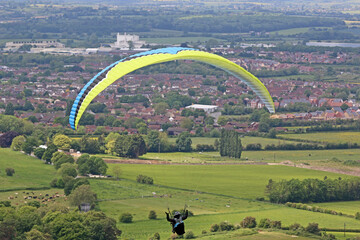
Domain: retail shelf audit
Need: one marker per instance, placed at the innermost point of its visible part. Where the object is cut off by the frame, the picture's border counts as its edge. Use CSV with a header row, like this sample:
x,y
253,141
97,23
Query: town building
x,y
15,45
206,108
127,42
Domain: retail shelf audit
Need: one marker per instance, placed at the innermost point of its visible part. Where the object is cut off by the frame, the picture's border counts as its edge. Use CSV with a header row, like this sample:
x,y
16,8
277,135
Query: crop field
x,y
30,172
327,137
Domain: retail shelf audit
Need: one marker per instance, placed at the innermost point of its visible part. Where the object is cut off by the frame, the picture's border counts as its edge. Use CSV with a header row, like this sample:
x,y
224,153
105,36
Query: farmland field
x,y
244,141
309,156
327,137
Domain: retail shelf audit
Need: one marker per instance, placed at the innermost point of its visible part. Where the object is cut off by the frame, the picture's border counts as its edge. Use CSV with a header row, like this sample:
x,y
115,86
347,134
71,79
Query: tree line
x,y
230,144
313,190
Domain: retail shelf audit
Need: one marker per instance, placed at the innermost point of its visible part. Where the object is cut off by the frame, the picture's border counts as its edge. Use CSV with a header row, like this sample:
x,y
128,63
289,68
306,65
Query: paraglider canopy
x,y
129,64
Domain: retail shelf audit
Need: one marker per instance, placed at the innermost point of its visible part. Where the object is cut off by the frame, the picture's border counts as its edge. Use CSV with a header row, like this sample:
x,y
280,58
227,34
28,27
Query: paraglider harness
x,y
177,221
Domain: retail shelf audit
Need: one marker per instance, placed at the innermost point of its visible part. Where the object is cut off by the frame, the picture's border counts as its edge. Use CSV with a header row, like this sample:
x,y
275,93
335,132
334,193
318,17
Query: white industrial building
x,y
15,45
206,108
127,42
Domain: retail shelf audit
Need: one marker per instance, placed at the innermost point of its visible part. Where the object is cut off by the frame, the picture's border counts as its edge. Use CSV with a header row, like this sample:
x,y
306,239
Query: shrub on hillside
x,y
275,224
53,183
189,235
214,228
357,215
226,226
126,218
296,229
248,222
34,204
144,179
155,237
204,148
264,223
152,214
39,152
9,171
5,204
313,228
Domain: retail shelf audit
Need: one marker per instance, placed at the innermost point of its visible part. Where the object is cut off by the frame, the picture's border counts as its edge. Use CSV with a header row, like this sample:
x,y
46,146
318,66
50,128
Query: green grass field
x,y
178,40
244,141
300,156
349,207
292,31
30,172
215,193
327,137
242,181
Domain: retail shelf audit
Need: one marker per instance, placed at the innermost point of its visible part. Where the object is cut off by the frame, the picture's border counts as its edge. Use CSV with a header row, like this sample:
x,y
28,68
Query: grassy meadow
x,y
349,207
326,137
30,172
308,156
244,141
214,193
241,181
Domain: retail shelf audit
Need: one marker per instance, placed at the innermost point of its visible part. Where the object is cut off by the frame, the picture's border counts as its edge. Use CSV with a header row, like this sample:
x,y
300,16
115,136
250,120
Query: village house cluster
x,y
53,90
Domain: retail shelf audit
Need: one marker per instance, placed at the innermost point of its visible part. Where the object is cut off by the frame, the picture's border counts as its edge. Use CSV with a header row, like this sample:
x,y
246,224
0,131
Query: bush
x,y
175,236
152,215
264,223
225,226
327,236
156,236
275,224
126,218
60,183
357,215
204,148
189,235
53,183
203,232
5,204
39,152
34,204
248,222
144,179
214,228
9,171
253,147
313,228
295,227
